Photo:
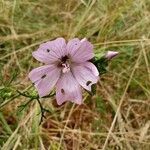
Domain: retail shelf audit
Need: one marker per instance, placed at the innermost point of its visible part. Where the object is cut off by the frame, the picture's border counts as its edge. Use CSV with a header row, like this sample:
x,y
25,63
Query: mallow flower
x,y
66,67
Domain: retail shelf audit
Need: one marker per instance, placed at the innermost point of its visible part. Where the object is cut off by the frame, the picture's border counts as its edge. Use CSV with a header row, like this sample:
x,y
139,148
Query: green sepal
x,y
101,64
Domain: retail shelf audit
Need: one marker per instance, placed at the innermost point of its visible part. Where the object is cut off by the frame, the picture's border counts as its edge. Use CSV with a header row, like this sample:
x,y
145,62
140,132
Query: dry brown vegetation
x,y
118,116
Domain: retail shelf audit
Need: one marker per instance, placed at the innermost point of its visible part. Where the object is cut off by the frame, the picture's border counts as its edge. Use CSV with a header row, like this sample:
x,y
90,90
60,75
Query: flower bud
x,y
110,54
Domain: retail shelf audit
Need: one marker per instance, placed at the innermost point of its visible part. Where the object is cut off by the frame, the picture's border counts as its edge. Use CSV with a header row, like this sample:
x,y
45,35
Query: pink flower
x,y
66,67
110,54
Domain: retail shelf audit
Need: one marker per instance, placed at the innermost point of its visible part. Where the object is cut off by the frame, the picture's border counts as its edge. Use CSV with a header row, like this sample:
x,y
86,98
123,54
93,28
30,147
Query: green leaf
x,y
101,64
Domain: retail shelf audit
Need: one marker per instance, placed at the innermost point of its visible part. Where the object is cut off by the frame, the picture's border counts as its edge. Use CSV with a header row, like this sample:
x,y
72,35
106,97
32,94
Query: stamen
x,y
64,64
66,67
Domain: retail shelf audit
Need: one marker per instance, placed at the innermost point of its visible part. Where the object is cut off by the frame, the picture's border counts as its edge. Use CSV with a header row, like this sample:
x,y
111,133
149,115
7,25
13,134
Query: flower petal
x,y
68,89
80,51
51,51
92,68
73,45
45,78
84,76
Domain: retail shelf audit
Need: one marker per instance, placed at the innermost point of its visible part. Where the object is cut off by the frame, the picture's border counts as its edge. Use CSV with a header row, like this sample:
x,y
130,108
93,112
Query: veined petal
x,y
68,89
80,51
92,68
37,73
72,46
50,51
85,76
45,78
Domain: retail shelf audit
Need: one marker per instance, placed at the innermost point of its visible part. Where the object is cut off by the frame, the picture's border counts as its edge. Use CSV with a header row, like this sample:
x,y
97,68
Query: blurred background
x,y
117,117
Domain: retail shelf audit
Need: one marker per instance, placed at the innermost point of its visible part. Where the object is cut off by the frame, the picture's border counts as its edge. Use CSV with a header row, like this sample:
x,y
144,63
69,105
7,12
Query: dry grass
x,y
118,116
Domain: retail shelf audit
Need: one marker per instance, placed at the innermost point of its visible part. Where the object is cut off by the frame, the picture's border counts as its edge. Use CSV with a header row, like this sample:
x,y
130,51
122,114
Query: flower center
x,y
64,59
65,64
66,67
